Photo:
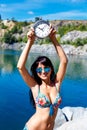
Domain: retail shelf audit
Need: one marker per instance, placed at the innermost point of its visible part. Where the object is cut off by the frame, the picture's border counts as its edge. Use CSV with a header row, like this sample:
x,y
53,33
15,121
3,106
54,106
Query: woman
x,y
44,84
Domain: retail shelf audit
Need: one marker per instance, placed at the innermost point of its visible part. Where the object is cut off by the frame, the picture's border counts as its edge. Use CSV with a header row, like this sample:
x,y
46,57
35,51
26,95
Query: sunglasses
x,y
46,69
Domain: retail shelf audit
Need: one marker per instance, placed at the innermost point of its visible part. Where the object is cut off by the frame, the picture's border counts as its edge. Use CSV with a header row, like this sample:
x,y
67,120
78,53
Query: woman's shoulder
x,y
35,89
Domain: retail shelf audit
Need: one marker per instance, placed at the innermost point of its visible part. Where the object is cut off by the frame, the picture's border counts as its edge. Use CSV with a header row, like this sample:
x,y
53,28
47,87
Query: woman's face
x,y
43,72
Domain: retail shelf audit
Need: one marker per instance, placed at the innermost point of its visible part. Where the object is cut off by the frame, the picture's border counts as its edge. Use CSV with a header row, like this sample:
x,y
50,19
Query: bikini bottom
x,y
25,128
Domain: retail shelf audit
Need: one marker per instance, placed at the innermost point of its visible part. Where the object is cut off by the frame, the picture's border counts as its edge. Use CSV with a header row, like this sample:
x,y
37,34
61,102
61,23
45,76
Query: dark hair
x,y
46,62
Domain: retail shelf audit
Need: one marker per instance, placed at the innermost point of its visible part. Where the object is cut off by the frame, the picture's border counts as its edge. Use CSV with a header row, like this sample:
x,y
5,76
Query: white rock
x,y
77,118
60,119
77,124
73,35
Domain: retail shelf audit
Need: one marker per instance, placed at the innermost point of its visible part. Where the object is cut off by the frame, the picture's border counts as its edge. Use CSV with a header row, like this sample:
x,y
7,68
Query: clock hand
x,y
40,28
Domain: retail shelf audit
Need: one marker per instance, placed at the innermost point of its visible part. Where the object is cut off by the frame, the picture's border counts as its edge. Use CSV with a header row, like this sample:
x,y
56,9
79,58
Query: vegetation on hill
x,y
62,30
14,31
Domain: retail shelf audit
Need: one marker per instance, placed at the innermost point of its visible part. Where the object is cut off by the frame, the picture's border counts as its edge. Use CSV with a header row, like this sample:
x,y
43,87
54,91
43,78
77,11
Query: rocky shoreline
x,y
48,48
71,118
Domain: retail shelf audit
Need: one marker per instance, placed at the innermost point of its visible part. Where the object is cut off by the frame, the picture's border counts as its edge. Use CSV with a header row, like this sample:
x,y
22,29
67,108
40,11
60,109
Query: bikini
x,y
43,102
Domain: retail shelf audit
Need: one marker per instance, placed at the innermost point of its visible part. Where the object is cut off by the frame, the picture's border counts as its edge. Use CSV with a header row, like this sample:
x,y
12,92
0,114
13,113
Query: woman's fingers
x,y
52,32
30,33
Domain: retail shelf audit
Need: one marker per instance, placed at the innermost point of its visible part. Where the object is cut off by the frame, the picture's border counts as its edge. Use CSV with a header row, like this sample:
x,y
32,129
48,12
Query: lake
x,y
15,108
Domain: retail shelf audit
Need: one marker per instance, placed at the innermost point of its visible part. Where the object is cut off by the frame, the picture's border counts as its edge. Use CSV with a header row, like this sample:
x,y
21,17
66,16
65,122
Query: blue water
x,y
15,108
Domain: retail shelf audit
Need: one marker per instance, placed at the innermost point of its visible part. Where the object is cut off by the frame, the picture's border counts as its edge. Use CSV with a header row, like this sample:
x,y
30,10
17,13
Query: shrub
x,y
3,26
16,29
77,42
23,24
62,30
24,39
8,38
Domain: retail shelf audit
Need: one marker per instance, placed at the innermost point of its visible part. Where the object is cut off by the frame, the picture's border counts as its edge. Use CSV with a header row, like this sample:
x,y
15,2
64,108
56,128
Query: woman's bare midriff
x,y
41,120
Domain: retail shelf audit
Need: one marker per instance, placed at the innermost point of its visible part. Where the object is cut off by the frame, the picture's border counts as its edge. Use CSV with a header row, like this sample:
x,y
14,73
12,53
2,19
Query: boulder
x,y
71,118
77,124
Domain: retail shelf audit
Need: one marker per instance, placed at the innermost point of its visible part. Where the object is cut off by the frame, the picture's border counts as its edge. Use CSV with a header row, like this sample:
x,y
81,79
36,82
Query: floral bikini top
x,y
43,101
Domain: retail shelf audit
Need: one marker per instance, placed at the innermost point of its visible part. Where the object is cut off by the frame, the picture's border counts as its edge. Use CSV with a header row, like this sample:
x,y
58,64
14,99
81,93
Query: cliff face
x,y
55,23
8,24
65,22
19,31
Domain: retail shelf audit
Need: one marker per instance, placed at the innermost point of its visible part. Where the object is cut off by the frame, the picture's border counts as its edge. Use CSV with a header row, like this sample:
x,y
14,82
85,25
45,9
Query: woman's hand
x,y
31,36
52,33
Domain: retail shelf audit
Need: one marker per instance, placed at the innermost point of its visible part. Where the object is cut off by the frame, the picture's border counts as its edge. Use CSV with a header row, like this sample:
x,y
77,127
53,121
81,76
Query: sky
x,y
26,10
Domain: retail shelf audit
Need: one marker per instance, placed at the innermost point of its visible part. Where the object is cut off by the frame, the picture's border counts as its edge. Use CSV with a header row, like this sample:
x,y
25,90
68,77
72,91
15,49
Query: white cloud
x,y
5,8
2,5
76,1
30,12
18,6
69,15
73,1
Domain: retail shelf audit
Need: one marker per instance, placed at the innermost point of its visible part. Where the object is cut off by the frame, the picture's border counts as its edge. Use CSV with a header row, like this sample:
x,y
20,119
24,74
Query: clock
x,y
42,28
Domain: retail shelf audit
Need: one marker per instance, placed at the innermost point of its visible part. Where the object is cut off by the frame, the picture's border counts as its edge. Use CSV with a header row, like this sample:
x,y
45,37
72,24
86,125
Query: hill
x,y
14,31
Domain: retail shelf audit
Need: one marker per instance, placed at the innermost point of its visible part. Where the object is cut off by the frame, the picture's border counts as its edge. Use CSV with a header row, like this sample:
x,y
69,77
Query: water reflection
x,y
8,61
76,66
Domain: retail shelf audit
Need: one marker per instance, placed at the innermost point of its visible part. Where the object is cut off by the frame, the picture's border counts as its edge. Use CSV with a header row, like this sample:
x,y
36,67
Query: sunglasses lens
x,y
39,70
47,69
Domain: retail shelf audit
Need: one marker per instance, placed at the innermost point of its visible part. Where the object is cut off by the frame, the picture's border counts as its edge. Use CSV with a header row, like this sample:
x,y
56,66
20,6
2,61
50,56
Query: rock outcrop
x,y
49,49
70,36
73,35
71,118
9,24
69,49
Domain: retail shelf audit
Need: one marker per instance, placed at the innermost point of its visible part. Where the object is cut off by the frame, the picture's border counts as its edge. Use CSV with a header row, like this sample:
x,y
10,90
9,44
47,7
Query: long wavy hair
x,y
46,62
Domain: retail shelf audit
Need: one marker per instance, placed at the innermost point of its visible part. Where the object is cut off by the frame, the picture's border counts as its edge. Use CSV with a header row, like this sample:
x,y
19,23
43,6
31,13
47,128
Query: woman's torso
x,y
41,120
45,114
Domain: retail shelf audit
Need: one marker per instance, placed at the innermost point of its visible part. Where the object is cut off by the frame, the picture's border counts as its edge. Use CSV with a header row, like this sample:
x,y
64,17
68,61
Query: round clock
x,y
42,28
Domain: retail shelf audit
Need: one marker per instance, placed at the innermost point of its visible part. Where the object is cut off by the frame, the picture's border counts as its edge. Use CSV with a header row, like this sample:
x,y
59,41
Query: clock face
x,y
42,29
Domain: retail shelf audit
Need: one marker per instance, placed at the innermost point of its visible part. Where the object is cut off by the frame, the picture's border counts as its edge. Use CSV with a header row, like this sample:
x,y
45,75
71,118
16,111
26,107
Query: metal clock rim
x,y
39,21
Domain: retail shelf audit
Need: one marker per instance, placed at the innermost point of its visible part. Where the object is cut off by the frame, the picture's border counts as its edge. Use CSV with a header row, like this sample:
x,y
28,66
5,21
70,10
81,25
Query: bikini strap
x,y
38,89
56,87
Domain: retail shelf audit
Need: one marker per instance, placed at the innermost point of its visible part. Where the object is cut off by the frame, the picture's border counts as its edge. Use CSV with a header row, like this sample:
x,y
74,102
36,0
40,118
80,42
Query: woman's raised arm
x,y
23,58
61,54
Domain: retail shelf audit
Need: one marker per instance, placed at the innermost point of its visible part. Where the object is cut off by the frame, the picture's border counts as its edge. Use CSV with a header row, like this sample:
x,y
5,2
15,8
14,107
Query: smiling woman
x,y
44,83
14,91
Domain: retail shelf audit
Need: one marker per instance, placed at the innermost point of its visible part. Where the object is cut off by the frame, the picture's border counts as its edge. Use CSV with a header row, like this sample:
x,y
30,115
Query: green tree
x,y
82,27
8,38
13,19
37,18
3,26
24,39
16,29
23,24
